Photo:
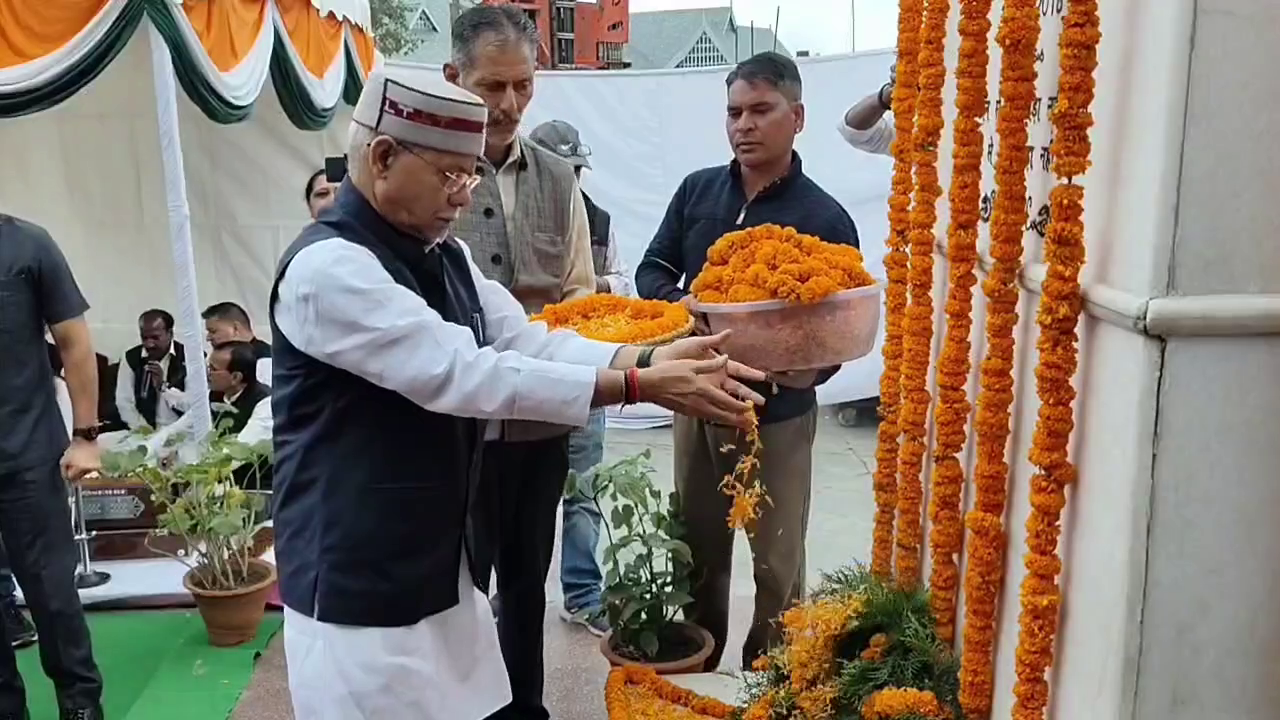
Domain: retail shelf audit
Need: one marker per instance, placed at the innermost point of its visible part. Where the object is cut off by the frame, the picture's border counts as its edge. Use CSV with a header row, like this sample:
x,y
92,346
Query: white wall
x,y
1132,192
1210,631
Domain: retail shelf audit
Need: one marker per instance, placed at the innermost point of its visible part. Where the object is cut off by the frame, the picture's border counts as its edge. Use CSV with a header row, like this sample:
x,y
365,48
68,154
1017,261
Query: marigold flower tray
x,y
618,319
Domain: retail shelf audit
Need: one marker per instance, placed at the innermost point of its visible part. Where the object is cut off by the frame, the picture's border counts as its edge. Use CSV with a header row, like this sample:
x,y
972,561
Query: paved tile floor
x,y
839,532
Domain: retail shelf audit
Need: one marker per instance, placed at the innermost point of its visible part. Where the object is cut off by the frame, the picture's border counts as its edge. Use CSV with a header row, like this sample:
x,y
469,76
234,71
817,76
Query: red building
x,y
578,35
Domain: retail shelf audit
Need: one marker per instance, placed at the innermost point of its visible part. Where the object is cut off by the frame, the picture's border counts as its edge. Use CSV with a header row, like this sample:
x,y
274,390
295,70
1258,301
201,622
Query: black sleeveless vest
x,y
146,398
371,491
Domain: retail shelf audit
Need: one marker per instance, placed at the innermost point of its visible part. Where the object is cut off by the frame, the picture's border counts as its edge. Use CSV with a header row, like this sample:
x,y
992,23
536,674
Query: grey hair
x,y
358,139
504,23
773,69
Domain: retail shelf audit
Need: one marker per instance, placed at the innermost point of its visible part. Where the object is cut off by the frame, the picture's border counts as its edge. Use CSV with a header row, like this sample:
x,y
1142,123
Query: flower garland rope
x,y
951,414
917,342
885,483
1058,316
1018,34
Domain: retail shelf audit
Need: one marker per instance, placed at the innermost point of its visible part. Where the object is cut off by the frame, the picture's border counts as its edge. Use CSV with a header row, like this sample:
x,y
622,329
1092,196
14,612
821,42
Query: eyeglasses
x,y
453,182
573,150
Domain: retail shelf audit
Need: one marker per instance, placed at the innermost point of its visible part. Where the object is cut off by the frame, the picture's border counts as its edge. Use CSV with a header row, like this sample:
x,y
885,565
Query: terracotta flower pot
x,y
693,664
232,617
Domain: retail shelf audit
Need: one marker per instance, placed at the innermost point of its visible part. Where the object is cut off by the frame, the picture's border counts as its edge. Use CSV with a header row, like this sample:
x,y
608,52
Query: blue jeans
x,y
580,576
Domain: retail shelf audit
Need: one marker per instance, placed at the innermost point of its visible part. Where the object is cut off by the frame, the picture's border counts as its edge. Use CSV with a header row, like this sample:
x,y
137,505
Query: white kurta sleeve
x,y
338,304
125,404
616,272
258,427
176,399
875,140
263,371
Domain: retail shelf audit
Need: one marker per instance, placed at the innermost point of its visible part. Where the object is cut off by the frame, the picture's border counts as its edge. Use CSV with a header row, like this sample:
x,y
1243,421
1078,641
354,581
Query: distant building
x,y
589,35
430,24
707,37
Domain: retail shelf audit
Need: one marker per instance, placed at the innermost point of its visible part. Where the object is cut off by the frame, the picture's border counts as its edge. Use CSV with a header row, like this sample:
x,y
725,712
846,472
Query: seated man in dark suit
x,y
242,410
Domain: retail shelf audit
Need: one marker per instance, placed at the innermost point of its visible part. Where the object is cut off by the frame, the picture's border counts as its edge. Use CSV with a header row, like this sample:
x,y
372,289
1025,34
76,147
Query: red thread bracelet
x,y
631,387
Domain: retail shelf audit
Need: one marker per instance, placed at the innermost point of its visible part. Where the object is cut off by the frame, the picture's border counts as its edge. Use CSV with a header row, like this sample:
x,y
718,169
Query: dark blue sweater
x,y
712,202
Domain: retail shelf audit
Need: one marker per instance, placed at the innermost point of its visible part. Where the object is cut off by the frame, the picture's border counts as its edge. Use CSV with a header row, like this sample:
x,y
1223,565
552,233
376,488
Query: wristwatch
x,y
88,434
880,96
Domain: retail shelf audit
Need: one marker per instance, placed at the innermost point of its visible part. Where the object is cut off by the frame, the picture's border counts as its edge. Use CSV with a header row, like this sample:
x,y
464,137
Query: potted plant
x,y
201,503
647,567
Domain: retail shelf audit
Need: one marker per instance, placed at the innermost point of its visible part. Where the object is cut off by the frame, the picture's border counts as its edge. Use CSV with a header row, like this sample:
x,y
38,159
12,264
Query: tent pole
x,y
184,267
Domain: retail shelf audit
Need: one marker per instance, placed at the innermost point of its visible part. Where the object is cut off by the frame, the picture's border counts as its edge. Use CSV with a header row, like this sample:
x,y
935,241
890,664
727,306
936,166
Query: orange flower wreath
x,y
885,484
1018,35
917,343
1058,317
951,413
638,693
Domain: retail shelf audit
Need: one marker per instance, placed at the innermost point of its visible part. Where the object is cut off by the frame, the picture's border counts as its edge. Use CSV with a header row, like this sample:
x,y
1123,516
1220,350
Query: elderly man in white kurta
x,y
390,352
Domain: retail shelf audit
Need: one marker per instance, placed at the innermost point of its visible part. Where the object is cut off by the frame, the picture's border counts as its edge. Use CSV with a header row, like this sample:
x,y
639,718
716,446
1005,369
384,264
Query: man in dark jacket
x,y
764,184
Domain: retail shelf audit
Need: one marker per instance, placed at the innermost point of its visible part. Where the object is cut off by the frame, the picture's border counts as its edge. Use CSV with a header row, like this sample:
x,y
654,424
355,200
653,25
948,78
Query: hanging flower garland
x,y
951,414
1018,35
885,484
1058,316
917,343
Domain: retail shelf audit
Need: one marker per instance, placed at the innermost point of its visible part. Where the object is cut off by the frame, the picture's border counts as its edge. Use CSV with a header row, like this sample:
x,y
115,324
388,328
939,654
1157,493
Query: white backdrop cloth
x,y
89,171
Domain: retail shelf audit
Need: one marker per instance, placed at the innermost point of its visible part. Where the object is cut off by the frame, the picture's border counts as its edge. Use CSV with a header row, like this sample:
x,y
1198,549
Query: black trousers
x,y
522,483
35,523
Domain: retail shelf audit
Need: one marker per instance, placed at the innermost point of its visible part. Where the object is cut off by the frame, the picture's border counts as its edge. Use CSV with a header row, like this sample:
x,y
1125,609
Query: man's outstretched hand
x,y
691,377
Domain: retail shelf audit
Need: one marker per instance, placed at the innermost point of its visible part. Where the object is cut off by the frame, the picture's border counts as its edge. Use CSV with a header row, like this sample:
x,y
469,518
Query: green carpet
x,y
156,666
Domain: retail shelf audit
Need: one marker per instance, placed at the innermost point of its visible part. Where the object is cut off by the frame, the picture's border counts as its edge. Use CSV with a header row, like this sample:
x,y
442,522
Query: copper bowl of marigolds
x,y
793,301
785,336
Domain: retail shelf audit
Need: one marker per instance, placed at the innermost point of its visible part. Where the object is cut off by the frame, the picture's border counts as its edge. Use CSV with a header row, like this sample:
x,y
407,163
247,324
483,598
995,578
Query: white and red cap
x,y
422,109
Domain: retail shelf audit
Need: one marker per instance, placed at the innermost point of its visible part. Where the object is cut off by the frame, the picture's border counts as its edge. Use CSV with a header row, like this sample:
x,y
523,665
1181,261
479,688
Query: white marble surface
x,y
721,686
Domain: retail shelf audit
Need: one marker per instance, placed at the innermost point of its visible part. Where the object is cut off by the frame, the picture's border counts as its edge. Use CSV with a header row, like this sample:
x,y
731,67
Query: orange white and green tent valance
x,y
316,52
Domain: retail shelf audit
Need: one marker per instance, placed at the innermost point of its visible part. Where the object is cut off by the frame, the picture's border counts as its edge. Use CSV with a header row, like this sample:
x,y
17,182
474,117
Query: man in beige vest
x,y
527,229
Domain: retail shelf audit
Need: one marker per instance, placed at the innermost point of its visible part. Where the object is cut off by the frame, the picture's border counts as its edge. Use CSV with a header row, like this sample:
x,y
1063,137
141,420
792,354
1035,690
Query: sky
x,y
819,26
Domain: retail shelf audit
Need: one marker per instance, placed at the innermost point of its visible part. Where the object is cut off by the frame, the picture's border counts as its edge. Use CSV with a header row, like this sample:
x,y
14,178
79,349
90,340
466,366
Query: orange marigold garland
x,y
1058,316
638,693
885,484
618,319
917,342
1018,35
743,484
951,413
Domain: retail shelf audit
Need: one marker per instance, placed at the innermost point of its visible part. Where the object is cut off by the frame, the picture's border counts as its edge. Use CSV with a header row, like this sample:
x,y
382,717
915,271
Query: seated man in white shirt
x,y
243,404
150,389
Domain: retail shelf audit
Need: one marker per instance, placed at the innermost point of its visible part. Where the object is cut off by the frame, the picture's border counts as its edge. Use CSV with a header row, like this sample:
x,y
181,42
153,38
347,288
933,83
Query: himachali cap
x,y
422,109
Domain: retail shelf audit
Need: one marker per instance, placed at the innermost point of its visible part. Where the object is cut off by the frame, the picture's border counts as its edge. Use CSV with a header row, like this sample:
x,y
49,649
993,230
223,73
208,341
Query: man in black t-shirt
x,y
37,290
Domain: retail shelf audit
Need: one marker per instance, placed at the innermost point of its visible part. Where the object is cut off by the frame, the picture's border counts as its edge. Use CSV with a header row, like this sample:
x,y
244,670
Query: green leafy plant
x,y
393,26
202,503
908,654
647,563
